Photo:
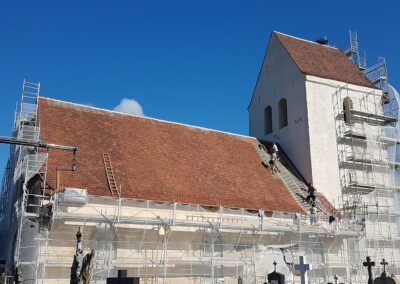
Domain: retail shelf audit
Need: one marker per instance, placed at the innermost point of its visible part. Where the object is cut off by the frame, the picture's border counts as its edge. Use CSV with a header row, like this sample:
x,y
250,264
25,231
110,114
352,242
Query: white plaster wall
x,y
323,145
280,78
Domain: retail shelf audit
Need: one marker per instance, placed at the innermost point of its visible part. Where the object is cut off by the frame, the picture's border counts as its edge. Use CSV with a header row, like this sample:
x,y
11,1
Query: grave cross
x,y
303,267
369,264
336,277
274,263
384,263
123,278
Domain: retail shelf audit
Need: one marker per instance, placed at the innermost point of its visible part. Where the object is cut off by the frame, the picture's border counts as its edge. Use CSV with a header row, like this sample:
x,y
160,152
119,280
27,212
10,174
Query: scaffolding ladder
x,y
353,53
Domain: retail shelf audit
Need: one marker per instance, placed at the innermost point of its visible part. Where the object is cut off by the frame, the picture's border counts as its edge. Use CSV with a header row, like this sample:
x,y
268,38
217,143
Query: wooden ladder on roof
x,y
112,183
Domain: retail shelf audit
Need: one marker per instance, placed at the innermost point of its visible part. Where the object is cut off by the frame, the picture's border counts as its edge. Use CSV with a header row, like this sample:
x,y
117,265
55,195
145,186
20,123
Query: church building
x,y
176,203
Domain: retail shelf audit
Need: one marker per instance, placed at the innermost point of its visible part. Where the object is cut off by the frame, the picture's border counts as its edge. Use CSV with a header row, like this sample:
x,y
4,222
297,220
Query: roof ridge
x,y
306,40
200,128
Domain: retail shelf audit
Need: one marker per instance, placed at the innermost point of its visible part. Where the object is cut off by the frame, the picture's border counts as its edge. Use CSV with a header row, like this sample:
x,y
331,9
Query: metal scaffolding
x,y
21,194
173,242
367,136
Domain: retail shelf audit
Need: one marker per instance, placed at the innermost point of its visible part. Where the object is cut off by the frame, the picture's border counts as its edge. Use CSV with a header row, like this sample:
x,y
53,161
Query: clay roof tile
x,y
323,61
158,160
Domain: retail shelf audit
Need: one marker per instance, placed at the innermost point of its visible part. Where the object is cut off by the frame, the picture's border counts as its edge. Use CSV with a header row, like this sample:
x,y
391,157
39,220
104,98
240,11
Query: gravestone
x,y
369,264
276,277
336,278
303,267
384,279
123,278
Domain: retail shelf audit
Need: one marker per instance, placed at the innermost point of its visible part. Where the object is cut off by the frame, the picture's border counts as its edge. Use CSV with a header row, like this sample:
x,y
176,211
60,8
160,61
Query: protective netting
x,y
382,152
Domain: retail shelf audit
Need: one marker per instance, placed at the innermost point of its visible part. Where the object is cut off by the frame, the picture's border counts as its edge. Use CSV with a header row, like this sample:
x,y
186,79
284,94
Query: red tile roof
x,y
323,61
157,160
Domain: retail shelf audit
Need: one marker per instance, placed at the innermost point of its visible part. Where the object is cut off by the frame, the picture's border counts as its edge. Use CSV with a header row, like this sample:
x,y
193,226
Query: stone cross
x,y
303,267
384,263
123,278
369,264
336,279
274,263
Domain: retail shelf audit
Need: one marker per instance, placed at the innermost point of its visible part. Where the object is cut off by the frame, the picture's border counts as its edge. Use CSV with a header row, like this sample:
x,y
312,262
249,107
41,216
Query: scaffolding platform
x,y
364,162
371,118
351,134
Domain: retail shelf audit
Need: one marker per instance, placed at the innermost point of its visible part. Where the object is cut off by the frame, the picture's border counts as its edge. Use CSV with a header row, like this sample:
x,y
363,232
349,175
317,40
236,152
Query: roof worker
x,y
272,163
274,148
297,217
312,193
313,214
361,222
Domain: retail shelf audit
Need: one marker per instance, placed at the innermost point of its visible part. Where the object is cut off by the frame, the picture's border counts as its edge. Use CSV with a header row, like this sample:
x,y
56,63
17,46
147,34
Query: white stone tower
x,y
294,101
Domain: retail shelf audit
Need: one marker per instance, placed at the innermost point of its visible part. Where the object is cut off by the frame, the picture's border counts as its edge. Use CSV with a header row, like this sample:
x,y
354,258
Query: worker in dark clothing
x,y
312,193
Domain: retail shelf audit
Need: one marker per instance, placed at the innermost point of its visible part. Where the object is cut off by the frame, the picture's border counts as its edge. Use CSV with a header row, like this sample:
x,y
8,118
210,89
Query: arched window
x,y
268,120
347,105
283,120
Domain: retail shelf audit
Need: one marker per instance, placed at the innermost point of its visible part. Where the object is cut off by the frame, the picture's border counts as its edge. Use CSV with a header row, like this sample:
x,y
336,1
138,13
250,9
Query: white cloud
x,y
88,104
129,106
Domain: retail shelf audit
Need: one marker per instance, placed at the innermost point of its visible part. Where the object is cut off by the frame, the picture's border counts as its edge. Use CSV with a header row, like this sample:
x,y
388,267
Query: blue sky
x,y
194,62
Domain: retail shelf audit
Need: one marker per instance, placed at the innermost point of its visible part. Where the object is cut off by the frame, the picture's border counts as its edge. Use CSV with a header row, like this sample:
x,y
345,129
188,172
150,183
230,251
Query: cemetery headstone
x,y
123,278
369,264
384,279
303,267
276,277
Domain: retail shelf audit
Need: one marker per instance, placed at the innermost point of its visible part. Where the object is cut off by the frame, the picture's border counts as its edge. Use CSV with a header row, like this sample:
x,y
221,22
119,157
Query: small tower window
x,y
347,105
268,120
283,119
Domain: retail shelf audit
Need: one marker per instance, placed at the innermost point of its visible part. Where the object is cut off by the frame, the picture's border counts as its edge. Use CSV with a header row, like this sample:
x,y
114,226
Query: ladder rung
x,y
30,93
31,83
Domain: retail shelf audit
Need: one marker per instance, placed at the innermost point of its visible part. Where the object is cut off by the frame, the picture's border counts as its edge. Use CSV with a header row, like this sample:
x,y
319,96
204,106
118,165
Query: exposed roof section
x,y
158,160
323,61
